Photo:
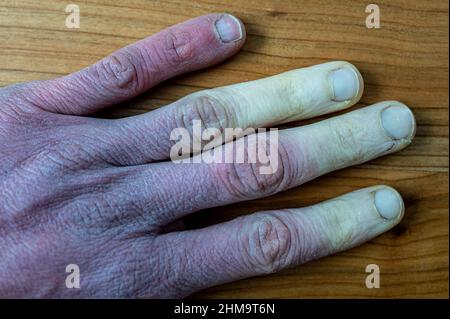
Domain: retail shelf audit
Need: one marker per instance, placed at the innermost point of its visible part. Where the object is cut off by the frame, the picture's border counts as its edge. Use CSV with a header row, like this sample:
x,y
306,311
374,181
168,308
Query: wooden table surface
x,y
406,60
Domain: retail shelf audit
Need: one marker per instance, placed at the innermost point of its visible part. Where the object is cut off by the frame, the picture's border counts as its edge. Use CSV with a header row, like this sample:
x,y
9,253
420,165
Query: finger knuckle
x,y
348,146
211,111
118,73
341,233
177,48
244,180
268,244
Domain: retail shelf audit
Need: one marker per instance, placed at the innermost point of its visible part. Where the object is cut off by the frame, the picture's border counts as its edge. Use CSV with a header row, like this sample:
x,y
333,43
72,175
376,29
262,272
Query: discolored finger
x,y
266,242
290,96
185,47
245,169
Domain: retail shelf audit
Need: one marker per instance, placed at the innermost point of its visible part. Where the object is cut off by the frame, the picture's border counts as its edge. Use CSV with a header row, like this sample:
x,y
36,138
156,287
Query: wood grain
x,y
406,60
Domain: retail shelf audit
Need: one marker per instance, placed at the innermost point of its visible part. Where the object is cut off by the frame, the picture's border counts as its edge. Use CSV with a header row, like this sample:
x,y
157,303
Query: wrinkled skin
x,y
99,194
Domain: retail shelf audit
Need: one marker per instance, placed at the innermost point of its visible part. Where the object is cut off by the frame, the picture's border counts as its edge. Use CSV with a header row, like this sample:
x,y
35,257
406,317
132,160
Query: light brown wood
x,y
406,60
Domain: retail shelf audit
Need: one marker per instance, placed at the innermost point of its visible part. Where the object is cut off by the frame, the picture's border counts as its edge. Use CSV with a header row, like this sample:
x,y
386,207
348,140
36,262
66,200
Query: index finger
x,y
128,72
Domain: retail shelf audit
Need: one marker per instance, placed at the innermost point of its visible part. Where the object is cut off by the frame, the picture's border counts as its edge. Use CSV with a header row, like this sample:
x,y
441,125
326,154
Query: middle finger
x,y
290,96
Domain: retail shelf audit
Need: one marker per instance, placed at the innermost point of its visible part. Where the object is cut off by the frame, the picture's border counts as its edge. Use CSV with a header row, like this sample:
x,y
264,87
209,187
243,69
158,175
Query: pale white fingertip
x,y
345,83
389,203
398,121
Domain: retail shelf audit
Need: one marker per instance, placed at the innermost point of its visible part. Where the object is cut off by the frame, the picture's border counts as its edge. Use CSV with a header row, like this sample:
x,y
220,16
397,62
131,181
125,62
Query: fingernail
x,y
345,83
229,28
388,203
398,122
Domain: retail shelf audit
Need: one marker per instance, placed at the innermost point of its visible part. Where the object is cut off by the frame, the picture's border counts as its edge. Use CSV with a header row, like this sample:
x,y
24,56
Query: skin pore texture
x,y
103,193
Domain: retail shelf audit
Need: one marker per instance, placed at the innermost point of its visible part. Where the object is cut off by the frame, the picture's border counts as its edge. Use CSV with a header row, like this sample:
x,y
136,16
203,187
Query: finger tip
x,y
230,29
398,120
243,32
357,85
389,203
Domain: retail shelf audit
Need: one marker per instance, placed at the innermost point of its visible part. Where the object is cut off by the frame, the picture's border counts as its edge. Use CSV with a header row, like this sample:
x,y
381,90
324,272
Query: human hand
x,y
102,193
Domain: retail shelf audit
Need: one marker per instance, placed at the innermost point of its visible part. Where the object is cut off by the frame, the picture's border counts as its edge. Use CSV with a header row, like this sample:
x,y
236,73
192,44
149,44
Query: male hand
x,y
104,195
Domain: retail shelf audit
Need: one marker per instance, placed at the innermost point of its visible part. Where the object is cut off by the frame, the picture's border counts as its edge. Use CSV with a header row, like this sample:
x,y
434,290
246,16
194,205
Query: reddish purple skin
x,y
132,70
81,190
